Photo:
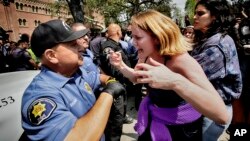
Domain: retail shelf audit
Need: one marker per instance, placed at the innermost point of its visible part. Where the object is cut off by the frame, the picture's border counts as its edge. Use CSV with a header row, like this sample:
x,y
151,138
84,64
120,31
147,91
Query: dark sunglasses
x,y
199,13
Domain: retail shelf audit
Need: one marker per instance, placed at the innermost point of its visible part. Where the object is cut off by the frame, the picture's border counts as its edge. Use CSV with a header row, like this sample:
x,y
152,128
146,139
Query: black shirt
x,y
106,67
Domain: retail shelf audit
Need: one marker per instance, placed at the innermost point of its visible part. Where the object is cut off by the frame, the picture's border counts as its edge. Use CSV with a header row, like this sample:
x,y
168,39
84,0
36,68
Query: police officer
x,y
59,103
84,50
118,112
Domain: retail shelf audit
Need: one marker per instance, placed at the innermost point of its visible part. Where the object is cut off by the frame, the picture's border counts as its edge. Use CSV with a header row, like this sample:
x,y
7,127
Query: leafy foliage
x,y
189,8
118,11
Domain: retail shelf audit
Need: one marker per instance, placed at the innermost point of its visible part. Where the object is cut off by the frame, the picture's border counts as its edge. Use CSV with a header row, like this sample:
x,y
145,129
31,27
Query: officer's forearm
x,y
90,127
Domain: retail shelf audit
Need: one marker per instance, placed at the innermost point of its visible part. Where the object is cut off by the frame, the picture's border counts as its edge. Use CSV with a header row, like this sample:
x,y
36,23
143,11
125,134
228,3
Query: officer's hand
x,y
114,88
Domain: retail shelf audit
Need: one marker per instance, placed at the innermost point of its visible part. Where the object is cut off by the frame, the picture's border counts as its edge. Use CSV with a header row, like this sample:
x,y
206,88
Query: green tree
x,y
76,9
189,9
120,11
177,15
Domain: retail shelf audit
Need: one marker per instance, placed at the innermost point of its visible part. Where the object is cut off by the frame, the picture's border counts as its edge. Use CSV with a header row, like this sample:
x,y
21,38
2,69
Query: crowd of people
x,y
17,56
196,79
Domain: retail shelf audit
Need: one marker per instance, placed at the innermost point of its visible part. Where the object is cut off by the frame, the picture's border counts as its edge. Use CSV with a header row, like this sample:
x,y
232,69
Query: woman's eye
x,y
136,37
200,13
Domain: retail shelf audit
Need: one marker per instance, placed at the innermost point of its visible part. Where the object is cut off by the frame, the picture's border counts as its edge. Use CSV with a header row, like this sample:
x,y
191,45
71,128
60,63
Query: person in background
x,y
2,58
178,91
20,59
215,51
241,36
95,45
189,32
33,56
87,54
59,103
118,115
187,21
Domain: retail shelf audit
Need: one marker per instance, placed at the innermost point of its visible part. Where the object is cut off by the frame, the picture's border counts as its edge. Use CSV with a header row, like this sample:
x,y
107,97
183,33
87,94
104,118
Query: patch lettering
x,y
66,26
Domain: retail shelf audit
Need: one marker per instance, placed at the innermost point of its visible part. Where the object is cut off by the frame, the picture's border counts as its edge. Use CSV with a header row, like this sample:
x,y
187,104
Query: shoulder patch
x,y
40,109
107,50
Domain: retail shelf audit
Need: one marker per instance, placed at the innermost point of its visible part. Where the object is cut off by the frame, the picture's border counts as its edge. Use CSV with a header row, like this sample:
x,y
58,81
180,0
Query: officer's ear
x,y
118,32
50,56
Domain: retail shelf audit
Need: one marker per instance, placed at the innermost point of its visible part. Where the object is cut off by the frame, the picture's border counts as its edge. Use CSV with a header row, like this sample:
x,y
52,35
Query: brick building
x,y
22,16
19,17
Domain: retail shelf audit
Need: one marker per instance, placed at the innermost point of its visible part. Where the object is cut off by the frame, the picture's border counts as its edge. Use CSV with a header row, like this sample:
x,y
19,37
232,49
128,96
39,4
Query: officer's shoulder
x,y
107,43
103,41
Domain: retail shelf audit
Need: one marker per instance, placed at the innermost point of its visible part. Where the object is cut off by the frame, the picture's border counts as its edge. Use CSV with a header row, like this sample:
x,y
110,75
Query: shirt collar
x,y
55,79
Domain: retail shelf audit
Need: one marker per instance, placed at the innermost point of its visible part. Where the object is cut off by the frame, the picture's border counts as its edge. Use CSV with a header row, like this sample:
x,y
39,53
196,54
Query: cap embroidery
x,y
66,26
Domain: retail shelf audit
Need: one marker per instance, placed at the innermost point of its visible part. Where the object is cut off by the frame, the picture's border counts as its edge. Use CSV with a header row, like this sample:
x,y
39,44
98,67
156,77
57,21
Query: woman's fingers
x,y
141,73
153,62
143,66
143,80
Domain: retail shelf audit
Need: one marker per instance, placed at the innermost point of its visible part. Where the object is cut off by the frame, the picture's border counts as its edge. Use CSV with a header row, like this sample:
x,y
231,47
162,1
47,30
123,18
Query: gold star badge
x,y
38,109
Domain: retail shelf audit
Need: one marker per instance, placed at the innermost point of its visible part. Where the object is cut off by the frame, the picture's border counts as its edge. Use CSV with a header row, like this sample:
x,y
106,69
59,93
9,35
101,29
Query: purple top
x,y
163,116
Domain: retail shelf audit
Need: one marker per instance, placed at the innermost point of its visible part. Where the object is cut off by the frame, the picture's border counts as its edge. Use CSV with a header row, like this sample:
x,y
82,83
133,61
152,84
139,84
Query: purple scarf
x,y
161,117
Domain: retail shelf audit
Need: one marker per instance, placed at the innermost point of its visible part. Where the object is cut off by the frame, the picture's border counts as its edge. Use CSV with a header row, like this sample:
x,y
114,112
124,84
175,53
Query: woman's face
x,y
202,18
144,42
189,33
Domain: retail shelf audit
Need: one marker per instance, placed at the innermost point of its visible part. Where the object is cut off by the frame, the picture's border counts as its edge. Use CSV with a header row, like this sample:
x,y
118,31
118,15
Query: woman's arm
x,y
116,60
90,127
188,80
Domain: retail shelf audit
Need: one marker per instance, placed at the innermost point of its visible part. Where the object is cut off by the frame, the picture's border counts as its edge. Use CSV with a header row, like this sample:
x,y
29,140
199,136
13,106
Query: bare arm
x,y
90,127
190,83
116,60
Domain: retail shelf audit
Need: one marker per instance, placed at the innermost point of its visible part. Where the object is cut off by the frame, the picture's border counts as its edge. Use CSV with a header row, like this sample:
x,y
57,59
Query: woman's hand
x,y
155,74
115,59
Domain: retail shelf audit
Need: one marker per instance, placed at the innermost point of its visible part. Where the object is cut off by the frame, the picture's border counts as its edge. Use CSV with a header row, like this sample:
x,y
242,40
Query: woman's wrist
x,y
121,66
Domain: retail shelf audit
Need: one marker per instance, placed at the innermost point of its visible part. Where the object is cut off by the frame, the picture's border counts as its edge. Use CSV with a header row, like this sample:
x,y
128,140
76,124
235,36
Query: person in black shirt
x,y
118,116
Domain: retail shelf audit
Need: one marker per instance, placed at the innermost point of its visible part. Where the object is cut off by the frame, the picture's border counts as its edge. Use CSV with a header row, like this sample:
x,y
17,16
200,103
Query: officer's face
x,y
67,56
83,42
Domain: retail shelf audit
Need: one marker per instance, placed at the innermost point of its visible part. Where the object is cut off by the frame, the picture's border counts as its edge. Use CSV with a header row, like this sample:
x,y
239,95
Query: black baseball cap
x,y
51,33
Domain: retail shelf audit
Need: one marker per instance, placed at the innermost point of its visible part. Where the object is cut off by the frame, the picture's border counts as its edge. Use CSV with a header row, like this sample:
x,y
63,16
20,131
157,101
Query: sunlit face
x,y
83,42
68,55
189,32
202,18
144,42
25,45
